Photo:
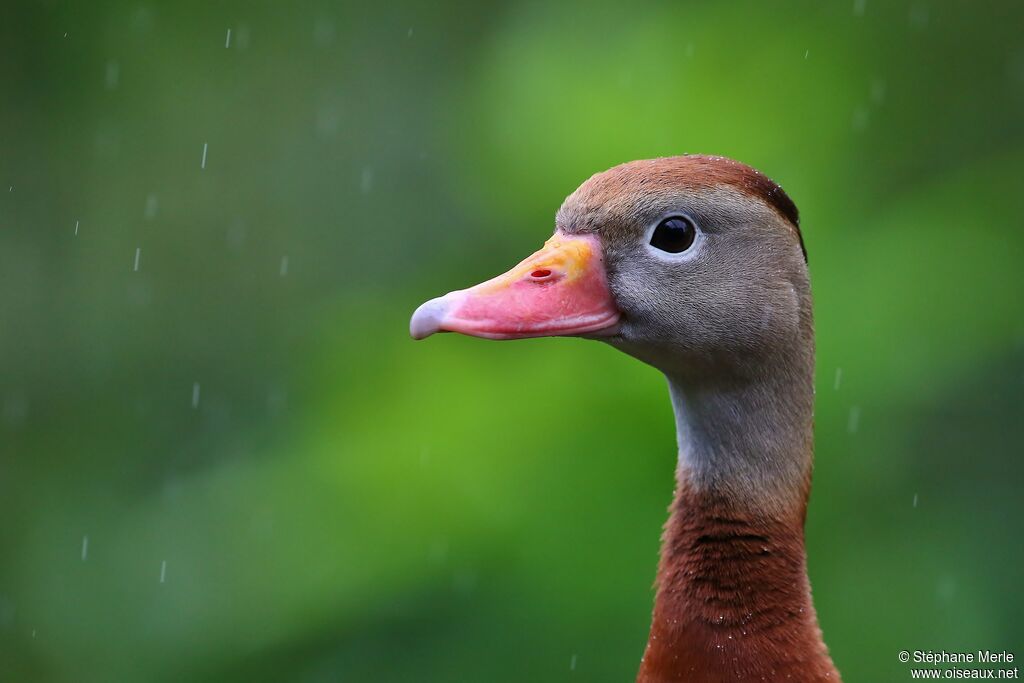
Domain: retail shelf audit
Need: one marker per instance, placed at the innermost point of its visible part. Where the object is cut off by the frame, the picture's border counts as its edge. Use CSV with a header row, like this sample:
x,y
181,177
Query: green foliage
x,y
343,504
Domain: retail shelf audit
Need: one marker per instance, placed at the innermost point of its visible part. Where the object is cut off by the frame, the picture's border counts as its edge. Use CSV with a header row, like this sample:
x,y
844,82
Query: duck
x,y
695,265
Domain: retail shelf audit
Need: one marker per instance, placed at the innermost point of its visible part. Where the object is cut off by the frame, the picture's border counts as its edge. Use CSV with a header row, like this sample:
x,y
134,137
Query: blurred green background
x,y
223,459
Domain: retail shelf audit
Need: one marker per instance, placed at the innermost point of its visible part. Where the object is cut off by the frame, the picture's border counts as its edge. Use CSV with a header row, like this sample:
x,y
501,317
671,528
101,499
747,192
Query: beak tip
x,y
427,319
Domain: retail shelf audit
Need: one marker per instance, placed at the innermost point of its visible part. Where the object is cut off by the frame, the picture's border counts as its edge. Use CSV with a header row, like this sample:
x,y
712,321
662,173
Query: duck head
x,y
693,264
696,266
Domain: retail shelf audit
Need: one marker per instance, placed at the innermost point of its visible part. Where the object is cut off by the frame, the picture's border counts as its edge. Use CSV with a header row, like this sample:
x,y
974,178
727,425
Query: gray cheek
x,y
657,305
639,290
685,309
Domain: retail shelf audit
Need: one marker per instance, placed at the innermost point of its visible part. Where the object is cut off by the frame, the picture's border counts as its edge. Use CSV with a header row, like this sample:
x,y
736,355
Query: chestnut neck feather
x,y
733,599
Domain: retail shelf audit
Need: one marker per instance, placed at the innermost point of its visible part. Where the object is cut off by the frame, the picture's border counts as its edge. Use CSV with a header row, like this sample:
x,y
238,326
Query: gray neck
x,y
749,439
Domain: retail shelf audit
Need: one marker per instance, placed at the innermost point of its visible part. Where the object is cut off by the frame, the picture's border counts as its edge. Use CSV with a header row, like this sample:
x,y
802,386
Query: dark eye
x,y
674,235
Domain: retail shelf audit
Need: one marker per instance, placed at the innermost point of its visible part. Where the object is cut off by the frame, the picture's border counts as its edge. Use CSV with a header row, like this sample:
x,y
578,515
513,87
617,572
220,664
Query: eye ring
x,y
674,234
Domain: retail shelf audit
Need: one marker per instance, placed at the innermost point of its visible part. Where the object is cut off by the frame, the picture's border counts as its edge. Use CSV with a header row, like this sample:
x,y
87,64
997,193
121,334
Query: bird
x,y
696,265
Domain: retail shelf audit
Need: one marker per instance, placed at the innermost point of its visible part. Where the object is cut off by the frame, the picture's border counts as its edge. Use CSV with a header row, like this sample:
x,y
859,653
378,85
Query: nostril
x,y
541,274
